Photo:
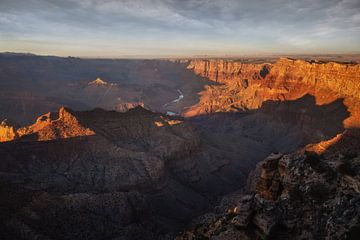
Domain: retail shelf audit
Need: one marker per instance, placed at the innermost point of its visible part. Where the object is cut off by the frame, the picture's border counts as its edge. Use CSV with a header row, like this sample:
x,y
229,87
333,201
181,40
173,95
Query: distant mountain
x,y
16,54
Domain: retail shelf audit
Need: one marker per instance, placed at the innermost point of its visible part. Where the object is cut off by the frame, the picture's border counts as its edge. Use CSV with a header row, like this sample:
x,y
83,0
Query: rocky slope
x,y
301,195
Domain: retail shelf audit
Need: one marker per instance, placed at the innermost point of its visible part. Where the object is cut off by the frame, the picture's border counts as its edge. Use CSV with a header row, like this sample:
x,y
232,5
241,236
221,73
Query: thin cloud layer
x,y
179,27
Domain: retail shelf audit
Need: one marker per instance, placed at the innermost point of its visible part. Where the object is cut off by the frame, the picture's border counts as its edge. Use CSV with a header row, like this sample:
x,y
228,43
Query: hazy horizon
x,y
324,56
172,28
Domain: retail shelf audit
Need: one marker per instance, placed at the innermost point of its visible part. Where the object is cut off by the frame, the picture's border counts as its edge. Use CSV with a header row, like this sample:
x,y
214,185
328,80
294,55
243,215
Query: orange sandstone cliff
x,y
246,86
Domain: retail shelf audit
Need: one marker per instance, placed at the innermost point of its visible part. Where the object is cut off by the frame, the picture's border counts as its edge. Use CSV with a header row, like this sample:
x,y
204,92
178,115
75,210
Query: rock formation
x,y
248,86
49,126
301,195
8,131
98,81
123,107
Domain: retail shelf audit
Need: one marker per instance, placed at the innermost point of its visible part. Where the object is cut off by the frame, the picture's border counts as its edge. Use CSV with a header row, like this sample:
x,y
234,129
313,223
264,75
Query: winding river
x,y
178,99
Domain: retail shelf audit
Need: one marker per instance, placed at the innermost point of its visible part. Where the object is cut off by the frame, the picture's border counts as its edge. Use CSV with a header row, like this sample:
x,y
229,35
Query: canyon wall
x,y
247,86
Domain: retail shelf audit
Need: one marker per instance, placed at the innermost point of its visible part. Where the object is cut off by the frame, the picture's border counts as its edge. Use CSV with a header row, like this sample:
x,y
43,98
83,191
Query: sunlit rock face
x,y
98,81
8,131
247,86
50,126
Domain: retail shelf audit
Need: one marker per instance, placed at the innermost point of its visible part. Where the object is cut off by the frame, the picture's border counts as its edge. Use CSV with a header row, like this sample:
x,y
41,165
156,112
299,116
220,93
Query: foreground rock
x,y
295,196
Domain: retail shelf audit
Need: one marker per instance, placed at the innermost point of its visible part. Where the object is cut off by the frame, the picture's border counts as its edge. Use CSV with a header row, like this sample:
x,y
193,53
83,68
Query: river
x,y
178,99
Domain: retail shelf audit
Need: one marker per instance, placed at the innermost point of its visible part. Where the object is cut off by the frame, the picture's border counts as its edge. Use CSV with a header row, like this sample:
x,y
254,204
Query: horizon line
x,y
199,56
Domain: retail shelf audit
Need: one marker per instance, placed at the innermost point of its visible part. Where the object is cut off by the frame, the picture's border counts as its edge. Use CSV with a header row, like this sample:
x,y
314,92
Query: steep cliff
x,y
247,86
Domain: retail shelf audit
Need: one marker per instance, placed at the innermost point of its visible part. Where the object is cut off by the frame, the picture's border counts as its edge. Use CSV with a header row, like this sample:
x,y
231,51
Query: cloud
x,y
213,25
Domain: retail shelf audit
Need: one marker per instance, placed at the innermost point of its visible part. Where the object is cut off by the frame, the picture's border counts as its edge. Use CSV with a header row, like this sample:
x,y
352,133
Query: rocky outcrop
x,y
248,86
301,195
8,131
49,126
128,105
98,81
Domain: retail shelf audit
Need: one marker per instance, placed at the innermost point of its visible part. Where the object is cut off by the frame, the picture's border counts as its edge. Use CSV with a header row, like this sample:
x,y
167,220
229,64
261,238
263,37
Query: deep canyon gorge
x,y
179,149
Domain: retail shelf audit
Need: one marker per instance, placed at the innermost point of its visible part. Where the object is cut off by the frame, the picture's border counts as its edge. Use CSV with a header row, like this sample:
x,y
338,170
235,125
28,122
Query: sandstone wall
x,y
246,86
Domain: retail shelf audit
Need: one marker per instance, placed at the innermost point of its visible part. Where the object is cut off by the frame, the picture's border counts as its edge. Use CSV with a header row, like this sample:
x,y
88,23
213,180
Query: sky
x,y
179,28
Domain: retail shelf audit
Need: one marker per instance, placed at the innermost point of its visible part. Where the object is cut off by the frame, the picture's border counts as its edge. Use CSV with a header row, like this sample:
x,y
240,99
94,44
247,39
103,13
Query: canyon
x,y
91,149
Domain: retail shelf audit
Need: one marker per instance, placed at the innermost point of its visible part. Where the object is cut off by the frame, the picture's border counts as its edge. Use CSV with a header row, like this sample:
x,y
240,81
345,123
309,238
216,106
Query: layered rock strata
x,y
247,86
